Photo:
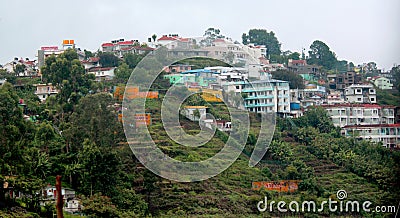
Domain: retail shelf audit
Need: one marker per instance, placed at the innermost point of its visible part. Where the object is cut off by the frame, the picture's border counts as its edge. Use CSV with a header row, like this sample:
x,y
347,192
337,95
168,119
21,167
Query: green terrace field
x,y
230,193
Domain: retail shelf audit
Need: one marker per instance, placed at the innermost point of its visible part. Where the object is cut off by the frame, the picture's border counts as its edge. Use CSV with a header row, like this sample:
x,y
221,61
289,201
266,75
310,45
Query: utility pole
x,y
59,203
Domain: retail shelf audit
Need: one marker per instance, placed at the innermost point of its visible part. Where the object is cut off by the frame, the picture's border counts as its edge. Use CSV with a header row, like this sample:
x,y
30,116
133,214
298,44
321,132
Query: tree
x,y
9,77
15,133
294,56
68,74
88,54
101,169
99,206
19,68
108,59
154,37
341,66
295,81
93,118
132,60
122,73
263,37
229,57
196,114
210,35
320,54
317,117
396,74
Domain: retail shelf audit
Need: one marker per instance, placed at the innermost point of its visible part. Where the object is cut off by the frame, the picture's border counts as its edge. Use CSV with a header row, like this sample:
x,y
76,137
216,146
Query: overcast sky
x,y
356,30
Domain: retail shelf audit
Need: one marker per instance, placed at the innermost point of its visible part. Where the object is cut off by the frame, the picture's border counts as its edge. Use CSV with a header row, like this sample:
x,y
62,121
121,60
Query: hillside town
x,y
350,96
333,117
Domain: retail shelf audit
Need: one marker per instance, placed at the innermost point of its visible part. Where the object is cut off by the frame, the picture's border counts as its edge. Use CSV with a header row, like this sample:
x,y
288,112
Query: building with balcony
x,y
360,114
387,134
360,93
45,90
267,96
102,73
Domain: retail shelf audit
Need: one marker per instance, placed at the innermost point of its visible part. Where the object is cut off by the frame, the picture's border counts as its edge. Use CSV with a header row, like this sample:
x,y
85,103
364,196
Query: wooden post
x,y
59,203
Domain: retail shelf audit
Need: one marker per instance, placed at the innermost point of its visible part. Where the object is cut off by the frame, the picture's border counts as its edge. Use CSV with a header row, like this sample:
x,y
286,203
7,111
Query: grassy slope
x,y
230,194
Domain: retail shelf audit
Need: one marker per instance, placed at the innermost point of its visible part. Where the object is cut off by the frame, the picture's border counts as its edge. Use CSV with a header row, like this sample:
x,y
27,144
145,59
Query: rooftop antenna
x,y
302,53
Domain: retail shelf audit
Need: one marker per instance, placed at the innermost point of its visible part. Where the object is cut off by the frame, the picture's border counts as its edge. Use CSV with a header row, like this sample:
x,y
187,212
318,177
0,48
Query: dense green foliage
x,y
295,80
79,137
396,74
263,37
108,59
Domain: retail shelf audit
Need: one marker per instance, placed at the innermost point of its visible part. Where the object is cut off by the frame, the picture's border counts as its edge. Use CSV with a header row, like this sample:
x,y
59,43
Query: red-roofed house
x,y
102,73
297,63
91,62
120,46
108,47
142,49
173,41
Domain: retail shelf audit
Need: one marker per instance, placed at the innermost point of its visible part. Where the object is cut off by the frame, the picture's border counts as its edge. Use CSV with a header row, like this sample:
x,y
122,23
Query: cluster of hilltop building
x,y
349,99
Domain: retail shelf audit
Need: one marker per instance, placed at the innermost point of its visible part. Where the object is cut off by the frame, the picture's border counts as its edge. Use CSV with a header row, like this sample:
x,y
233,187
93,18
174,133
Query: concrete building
x,y
102,73
234,52
300,67
267,96
360,114
382,83
91,62
295,104
45,90
360,93
387,134
341,81
335,97
177,68
182,79
190,112
174,41
120,47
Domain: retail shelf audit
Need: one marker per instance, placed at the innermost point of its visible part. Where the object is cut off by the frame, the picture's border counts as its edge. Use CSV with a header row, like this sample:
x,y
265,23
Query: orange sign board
x,y
280,186
68,42
133,92
142,119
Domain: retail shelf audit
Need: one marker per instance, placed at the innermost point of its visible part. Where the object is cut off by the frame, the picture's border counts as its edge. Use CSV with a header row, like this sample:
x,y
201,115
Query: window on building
x,y
237,87
358,99
372,99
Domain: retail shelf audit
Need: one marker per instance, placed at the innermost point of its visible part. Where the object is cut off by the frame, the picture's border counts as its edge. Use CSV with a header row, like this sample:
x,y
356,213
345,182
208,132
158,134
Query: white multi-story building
x,y
388,134
267,96
360,93
360,114
102,73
